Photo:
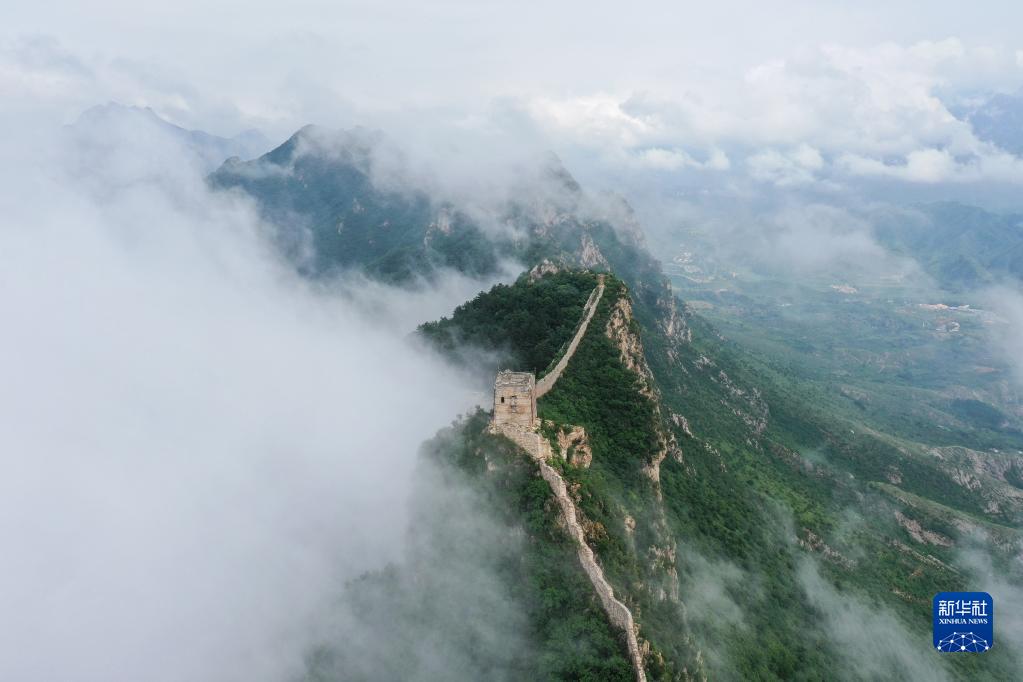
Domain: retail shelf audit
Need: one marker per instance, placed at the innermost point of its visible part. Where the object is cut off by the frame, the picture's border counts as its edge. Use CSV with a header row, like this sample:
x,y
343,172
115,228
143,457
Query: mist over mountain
x,y
654,532
676,426
102,128
353,199
508,342
963,247
192,436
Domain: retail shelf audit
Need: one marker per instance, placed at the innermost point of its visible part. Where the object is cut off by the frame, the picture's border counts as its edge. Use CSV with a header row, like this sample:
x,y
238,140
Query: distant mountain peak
x,y
105,126
998,119
554,170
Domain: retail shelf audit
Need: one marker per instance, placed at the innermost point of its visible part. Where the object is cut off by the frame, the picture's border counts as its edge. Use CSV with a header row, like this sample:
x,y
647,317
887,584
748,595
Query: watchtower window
x,y
502,399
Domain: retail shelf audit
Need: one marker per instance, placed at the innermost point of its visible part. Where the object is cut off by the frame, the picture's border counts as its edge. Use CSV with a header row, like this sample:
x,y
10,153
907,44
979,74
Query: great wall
x,y
515,417
546,383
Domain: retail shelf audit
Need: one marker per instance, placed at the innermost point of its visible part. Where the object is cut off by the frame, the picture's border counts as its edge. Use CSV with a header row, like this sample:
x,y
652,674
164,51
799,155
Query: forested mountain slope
x,y
752,533
962,247
337,202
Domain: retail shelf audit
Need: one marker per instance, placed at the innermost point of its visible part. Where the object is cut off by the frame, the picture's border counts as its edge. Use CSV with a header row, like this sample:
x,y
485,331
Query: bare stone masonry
x,y
515,399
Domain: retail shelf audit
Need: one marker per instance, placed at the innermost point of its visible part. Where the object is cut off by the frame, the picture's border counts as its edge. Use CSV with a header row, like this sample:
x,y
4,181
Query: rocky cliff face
x,y
623,331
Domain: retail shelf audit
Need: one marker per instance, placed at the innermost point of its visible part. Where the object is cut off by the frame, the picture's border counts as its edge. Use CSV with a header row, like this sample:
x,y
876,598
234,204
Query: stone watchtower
x,y
515,400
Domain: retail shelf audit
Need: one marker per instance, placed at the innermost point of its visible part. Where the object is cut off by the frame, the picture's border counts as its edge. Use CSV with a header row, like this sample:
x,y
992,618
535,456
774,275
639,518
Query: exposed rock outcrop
x,y
622,330
683,423
921,534
542,269
673,323
815,543
575,446
589,253
661,554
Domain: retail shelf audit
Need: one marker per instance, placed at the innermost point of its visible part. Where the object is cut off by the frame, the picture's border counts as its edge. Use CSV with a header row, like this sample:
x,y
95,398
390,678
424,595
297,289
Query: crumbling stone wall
x,y
530,441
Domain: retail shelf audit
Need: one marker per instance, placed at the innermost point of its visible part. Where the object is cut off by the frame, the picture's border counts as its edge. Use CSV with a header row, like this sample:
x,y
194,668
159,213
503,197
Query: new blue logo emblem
x,y
964,621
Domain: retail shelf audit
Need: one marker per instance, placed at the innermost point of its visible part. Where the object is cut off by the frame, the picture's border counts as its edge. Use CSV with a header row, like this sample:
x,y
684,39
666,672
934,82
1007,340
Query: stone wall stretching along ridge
x,y
617,612
547,382
526,437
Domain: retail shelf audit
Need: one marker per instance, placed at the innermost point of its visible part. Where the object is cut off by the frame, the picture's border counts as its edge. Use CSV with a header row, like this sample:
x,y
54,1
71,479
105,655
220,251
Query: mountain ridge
x,y
705,472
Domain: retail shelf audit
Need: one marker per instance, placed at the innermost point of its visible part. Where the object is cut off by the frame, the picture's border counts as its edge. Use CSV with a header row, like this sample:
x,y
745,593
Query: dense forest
x,y
522,326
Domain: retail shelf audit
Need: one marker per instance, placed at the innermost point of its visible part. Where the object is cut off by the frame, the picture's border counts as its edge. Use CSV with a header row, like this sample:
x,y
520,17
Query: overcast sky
x,y
444,52
792,94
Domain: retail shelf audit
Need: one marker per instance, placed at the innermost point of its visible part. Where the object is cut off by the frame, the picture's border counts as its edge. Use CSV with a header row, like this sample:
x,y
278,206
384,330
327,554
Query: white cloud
x,y
932,166
1007,301
863,106
792,167
659,158
842,98
665,159
855,626
924,165
198,447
